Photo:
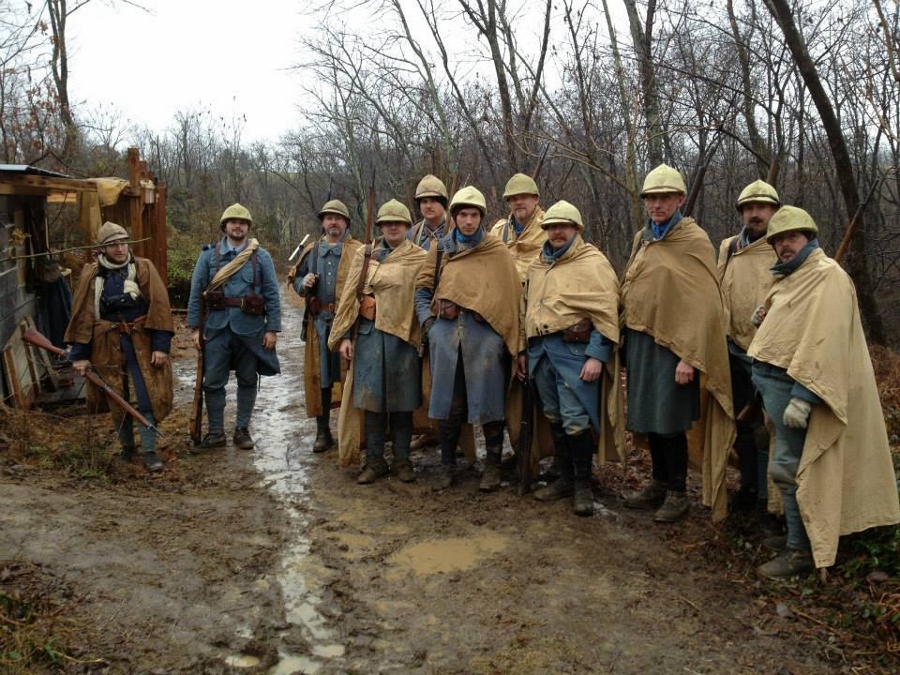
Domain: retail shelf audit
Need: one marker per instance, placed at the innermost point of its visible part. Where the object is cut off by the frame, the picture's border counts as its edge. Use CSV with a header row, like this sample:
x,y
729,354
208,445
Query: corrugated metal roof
x,y
32,170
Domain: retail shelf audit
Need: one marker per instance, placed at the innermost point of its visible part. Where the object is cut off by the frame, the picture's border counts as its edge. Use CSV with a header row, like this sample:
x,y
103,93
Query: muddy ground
x,y
275,561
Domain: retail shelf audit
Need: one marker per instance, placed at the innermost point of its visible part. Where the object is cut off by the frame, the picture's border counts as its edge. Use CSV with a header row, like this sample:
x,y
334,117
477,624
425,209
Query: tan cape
x,y
527,246
845,481
391,282
583,285
481,279
106,352
745,279
671,291
312,380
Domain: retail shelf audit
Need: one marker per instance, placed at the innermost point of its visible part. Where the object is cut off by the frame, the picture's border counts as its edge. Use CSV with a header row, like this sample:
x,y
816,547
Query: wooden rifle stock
x,y
197,402
367,251
38,339
525,437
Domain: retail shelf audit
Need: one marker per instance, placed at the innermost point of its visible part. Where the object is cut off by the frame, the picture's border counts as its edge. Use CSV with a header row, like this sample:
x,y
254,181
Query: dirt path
x,y
276,562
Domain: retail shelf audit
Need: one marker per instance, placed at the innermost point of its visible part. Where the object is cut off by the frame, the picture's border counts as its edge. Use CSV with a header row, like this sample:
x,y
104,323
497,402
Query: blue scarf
x,y
550,255
662,229
465,242
783,269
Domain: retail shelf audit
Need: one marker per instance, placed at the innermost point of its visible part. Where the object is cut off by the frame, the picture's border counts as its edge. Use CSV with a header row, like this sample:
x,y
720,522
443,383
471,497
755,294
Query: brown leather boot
x,y
651,496
375,469
324,440
403,470
674,508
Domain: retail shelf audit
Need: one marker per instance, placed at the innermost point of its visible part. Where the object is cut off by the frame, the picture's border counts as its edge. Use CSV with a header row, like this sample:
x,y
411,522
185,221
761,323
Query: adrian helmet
x,y
520,184
758,191
791,219
393,212
563,212
468,196
663,180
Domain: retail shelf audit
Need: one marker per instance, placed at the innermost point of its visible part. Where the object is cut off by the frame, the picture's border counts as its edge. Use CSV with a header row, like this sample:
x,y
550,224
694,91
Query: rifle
x,y
367,251
38,339
197,403
540,162
525,434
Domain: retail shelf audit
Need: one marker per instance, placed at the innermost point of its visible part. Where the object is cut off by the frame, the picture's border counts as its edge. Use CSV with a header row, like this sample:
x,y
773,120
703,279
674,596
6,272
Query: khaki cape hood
x,y
481,279
845,481
391,282
745,280
671,291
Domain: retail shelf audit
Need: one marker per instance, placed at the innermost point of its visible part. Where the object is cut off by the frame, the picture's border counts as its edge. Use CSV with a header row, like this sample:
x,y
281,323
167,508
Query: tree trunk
x,y
857,263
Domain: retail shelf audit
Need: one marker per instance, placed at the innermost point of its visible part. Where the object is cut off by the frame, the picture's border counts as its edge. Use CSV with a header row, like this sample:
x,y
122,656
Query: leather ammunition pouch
x,y
254,305
580,332
215,299
367,307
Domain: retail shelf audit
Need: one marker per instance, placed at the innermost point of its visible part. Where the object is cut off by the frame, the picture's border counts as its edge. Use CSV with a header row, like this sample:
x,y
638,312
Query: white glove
x,y
796,414
758,315
309,280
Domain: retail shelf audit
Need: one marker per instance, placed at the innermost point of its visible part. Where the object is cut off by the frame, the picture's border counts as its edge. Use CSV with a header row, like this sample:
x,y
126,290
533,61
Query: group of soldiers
x,y
441,325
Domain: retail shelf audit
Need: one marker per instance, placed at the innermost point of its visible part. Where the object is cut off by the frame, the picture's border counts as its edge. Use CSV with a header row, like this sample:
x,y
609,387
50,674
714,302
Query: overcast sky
x,y
189,55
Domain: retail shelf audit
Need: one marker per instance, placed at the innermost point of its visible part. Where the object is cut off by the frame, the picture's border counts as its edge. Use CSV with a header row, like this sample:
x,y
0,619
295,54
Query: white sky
x,y
188,55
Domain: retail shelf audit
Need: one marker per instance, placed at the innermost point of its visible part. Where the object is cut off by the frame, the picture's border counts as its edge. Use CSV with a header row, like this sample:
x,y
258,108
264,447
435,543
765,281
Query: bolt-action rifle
x,y
38,339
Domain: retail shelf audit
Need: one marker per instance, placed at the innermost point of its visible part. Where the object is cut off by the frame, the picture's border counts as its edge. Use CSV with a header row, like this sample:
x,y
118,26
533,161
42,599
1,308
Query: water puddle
x,y
444,555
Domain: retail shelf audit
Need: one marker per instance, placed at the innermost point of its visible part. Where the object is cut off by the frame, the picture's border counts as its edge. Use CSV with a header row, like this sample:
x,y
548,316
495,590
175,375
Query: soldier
x,y
235,285
832,461
521,231
376,328
470,313
744,262
431,198
319,276
523,235
674,332
122,327
570,320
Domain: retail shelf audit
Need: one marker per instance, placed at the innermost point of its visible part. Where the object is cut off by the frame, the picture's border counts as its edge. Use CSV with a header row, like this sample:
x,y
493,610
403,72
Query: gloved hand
x,y
796,415
309,280
756,318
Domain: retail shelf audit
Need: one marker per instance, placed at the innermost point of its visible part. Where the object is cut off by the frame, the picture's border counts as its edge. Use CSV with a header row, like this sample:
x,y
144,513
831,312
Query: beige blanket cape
x,y
745,279
671,291
391,282
845,482
106,351
527,246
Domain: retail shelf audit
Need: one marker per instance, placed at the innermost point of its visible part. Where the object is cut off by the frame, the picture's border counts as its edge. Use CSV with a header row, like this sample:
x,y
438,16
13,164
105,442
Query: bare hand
x,y
309,280
758,315
81,367
195,338
158,359
521,366
684,373
345,349
592,370
269,339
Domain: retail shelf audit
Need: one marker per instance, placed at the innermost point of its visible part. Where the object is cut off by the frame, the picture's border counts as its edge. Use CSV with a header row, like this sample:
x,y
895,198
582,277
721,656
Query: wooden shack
x,y
34,284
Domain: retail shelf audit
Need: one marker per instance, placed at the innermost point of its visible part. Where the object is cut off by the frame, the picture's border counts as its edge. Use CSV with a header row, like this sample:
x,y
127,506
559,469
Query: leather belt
x,y
317,306
232,302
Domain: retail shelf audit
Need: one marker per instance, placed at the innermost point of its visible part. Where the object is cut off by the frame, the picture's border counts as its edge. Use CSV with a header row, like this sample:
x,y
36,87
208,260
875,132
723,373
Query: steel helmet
x,y
662,180
758,191
109,233
337,207
520,184
563,212
468,196
235,212
393,212
791,219
432,186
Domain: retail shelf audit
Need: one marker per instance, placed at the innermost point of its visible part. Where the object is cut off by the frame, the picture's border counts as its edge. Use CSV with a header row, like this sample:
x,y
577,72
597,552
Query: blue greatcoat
x,y
248,328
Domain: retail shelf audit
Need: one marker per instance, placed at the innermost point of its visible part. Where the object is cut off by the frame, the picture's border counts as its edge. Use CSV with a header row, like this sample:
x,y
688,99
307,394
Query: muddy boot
x,y
324,440
788,563
674,508
242,439
650,497
564,485
490,479
582,448
444,477
402,468
129,452
212,440
375,469
152,462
